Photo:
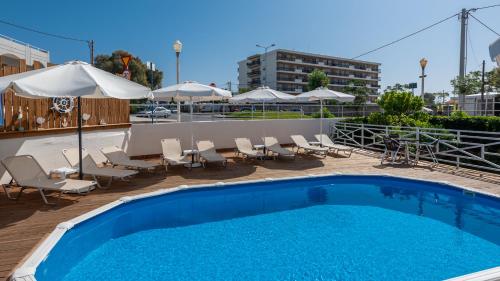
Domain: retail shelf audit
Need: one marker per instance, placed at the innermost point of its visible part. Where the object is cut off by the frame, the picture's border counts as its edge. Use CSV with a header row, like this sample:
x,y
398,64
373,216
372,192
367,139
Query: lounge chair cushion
x,y
118,157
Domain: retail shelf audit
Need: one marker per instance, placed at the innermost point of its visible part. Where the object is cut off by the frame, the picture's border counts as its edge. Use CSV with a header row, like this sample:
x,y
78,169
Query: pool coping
x,y
26,272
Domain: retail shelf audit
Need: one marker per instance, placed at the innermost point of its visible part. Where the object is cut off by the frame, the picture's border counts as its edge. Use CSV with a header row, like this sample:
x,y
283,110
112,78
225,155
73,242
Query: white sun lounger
x,y
208,153
334,147
27,173
172,153
245,148
117,157
91,168
301,142
272,145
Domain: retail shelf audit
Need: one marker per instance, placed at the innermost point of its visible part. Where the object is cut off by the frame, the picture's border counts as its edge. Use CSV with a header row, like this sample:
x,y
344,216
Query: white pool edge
x,y
26,272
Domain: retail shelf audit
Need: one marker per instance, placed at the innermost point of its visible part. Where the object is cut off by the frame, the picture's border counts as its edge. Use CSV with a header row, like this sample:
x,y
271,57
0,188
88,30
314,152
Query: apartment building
x,y
286,71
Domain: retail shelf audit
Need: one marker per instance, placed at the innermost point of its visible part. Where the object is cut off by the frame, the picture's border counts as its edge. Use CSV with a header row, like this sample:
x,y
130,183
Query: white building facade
x,y
286,71
12,49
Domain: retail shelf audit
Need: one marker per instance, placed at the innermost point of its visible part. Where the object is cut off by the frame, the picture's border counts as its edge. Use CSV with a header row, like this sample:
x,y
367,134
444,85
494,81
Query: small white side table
x,y
260,147
195,158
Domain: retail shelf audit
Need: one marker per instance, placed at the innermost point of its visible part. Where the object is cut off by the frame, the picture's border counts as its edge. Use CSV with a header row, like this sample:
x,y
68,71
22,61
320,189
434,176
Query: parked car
x,y
157,112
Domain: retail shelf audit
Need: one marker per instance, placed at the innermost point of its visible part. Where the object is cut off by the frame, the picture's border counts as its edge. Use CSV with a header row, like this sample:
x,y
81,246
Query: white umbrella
x,y
262,95
323,93
73,79
192,92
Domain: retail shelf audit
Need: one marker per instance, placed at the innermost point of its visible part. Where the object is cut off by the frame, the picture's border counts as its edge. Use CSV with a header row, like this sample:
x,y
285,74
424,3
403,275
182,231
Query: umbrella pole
x,y
321,123
191,117
263,111
178,111
80,161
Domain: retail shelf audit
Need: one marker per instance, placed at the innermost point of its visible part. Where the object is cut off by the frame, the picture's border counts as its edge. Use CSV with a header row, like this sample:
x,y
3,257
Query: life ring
x,y
63,105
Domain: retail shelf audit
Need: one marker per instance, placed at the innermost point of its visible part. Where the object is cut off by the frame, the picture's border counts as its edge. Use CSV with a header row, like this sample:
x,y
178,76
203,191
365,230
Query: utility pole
x,y
229,86
265,61
483,110
464,15
91,47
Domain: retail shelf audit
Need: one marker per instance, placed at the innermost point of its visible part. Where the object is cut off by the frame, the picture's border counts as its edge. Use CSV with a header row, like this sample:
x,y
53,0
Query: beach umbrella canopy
x,y
193,92
262,95
323,93
73,79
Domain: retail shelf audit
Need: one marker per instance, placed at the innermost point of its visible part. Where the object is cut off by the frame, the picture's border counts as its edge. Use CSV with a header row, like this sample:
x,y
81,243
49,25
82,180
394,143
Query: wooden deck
x,y
24,223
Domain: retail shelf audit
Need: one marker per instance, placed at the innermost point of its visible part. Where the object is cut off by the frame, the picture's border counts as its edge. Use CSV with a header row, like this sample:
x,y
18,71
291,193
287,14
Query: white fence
x,y
474,149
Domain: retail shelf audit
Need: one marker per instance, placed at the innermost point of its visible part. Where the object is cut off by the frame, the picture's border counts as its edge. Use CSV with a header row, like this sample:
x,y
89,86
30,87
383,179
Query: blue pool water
x,y
333,228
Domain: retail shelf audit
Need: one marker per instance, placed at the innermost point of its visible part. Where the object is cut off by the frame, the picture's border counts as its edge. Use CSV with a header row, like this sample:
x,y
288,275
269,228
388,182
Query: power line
x,y
487,7
483,24
407,36
43,32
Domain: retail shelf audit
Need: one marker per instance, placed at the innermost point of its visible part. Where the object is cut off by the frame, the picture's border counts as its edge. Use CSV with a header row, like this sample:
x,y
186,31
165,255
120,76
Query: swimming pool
x,y
336,227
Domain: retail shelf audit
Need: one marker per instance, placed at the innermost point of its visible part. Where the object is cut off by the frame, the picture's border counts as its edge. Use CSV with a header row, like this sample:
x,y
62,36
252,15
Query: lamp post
x,y
265,60
423,63
177,48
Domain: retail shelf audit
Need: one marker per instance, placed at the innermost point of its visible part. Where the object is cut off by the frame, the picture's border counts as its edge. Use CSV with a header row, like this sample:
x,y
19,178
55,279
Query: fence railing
x,y
461,148
228,111
223,111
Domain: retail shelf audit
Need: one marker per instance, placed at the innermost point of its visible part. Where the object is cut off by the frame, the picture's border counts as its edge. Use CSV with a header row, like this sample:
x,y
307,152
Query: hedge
x,y
473,123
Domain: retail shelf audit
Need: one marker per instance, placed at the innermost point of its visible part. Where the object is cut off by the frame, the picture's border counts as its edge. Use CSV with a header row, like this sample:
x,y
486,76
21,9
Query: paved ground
x,y
25,223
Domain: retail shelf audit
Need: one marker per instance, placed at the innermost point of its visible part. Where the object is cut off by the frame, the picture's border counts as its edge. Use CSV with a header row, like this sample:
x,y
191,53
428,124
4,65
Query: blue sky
x,y
216,34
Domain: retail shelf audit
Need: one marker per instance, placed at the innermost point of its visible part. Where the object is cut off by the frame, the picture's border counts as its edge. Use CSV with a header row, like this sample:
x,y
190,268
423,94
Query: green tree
x,y
494,79
243,90
138,70
317,79
400,102
430,98
468,85
358,89
397,87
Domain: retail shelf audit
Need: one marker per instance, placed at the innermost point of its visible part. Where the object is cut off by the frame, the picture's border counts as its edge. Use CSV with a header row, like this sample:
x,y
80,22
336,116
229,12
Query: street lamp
x,y
177,48
265,60
423,63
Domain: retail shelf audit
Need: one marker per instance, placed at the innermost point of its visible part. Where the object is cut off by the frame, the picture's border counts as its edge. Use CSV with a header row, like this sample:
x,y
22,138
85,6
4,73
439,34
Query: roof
x,y
323,56
494,94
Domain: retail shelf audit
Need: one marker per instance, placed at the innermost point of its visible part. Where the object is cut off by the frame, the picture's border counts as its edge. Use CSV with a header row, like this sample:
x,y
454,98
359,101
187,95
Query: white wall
x,y
144,139
47,149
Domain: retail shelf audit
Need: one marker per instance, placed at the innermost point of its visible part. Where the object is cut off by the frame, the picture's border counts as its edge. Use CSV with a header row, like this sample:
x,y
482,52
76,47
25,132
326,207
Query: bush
x,y
326,114
472,123
399,102
459,114
418,119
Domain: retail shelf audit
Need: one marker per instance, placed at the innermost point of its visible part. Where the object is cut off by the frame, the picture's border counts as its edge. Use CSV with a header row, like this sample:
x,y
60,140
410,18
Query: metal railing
x,y
461,148
226,111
